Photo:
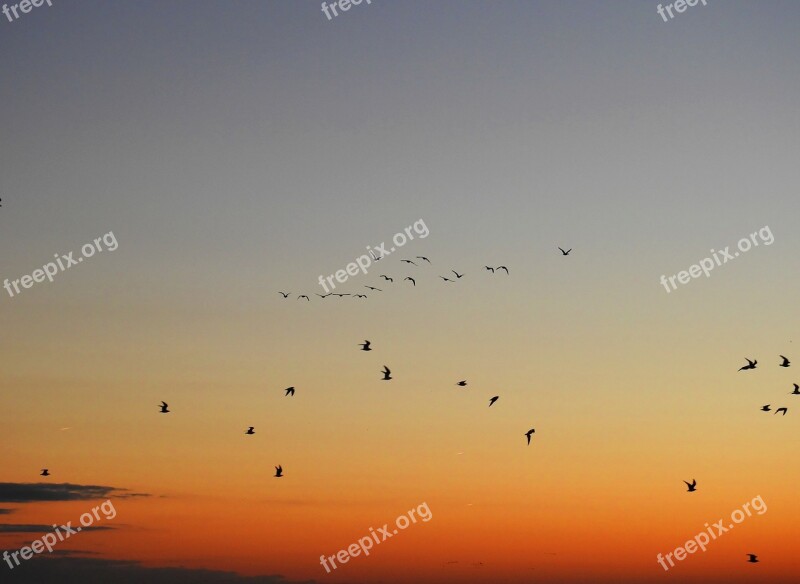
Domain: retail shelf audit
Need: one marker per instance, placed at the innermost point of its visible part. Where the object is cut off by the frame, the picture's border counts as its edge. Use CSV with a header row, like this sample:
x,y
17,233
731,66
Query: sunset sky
x,y
238,149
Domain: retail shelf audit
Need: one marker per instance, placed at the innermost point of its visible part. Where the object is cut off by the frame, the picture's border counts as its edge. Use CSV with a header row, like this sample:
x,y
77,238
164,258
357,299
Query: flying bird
x,y
45,472
413,281
423,258
765,408
457,274
304,296
752,558
462,383
785,361
373,288
285,294
289,391
494,399
796,390
566,253
365,346
339,295
528,434
360,296
164,408
278,471
503,268
250,430
692,486
387,373
782,410
409,262
445,279
387,278
750,365
324,295
490,269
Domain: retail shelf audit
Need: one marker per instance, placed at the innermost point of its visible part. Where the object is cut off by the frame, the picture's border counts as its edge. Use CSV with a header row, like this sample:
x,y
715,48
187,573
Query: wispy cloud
x,y
32,492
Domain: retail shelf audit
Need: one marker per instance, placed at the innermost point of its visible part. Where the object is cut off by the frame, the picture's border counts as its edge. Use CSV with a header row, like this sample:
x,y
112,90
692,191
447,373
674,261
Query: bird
x,y
782,410
289,391
365,346
503,268
387,373
423,258
445,279
462,383
373,288
278,471
566,253
285,294
250,430
752,558
413,281
164,408
785,363
528,434
750,364
457,274
304,296
339,295
45,472
324,295
494,399
360,296
692,486
796,390
489,268
387,278
765,408
409,262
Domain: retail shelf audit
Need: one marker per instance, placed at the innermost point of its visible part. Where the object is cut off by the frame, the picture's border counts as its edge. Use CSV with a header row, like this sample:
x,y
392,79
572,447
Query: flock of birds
x,y
752,364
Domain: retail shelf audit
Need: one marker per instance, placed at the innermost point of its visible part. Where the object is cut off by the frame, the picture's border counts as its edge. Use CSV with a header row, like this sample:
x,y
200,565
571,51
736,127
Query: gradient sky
x,y
240,148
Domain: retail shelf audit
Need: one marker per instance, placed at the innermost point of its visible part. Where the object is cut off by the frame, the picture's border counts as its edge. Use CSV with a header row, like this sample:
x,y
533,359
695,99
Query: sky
x,y
213,154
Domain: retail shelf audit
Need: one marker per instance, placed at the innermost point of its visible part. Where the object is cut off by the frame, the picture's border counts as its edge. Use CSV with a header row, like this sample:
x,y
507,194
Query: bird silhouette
x,y
324,295
782,410
494,399
250,430
360,296
45,473
796,390
490,269
692,486
503,268
750,365
765,408
462,383
752,558
339,295
304,296
374,288
413,281
423,258
289,391
278,471
285,294
409,262
785,363
365,346
528,435
164,408
387,278
387,374
457,274
566,253
446,279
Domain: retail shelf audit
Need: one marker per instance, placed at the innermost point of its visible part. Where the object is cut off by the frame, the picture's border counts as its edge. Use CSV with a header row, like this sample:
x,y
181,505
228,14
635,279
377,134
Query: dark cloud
x,y
72,570
6,511
31,492
11,528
